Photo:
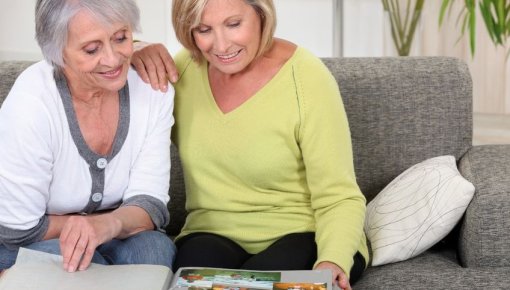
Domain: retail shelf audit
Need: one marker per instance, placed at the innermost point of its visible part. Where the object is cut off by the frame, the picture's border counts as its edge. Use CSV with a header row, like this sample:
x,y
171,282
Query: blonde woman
x,y
265,145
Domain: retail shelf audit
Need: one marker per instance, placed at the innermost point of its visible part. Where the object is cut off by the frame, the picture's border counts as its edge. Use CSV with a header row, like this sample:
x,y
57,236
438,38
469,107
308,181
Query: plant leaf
x,y
442,11
472,25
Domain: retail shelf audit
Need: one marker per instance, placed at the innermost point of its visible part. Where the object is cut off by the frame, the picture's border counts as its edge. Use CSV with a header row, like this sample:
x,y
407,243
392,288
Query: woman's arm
x,y
27,160
132,220
81,235
325,143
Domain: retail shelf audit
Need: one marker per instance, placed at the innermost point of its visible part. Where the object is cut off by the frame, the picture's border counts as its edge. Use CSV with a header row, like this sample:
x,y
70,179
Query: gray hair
x,y
52,19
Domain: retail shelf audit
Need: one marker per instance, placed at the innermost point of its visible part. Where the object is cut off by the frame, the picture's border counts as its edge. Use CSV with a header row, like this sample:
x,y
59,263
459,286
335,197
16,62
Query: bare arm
x,y
81,235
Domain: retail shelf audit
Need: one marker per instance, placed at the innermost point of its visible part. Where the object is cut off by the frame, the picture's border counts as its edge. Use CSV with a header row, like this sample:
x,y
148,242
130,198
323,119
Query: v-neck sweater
x,y
47,168
279,163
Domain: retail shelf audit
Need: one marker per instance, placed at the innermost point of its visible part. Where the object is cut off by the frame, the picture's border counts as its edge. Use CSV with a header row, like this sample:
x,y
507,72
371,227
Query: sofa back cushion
x,y
401,111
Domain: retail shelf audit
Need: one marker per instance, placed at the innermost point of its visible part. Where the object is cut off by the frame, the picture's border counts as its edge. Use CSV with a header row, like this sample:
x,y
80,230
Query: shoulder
x,y
139,89
183,60
147,103
305,66
36,77
309,63
190,72
34,86
317,90
32,104
310,71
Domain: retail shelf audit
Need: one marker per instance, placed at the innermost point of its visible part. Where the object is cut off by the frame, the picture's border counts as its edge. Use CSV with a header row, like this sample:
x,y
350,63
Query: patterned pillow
x,y
416,210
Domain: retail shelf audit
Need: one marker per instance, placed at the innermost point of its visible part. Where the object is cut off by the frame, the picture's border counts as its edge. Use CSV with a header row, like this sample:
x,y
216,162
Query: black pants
x,y
292,252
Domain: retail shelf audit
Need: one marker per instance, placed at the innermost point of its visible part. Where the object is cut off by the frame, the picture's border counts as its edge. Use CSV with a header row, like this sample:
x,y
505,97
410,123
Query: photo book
x,y
38,270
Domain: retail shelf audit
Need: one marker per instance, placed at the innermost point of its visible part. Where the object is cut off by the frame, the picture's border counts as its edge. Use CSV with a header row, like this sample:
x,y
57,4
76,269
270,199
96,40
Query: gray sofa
x,y
401,112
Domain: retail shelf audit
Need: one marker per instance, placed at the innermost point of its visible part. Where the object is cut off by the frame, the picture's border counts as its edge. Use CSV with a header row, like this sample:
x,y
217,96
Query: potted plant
x,y
495,14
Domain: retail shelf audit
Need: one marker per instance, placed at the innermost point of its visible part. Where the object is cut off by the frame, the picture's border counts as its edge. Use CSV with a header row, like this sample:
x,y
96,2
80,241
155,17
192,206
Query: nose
x,y
221,43
109,58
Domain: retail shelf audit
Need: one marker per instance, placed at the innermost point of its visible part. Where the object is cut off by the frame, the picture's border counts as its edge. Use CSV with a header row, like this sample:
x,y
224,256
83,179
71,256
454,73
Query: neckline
x,y
85,151
252,99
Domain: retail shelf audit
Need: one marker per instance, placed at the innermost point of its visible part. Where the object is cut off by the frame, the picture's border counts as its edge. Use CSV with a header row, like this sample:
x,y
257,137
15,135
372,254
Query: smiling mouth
x,y
227,57
112,73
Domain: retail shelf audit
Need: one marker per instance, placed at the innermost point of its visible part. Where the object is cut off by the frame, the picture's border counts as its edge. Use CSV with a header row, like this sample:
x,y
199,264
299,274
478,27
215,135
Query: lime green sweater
x,y
280,163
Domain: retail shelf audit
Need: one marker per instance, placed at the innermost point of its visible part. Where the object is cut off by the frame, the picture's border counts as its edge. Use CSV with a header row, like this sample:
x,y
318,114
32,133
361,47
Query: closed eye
x,y
121,39
203,30
234,24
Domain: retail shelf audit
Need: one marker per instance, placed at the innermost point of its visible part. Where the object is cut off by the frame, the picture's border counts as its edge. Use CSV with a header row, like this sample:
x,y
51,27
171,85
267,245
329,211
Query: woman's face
x,y
228,35
97,56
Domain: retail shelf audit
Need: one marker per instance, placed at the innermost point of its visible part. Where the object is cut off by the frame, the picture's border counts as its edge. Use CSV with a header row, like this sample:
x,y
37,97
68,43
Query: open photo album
x,y
38,270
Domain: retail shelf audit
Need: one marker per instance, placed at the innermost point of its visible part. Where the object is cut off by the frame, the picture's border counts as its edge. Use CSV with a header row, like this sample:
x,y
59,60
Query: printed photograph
x,y
227,279
299,286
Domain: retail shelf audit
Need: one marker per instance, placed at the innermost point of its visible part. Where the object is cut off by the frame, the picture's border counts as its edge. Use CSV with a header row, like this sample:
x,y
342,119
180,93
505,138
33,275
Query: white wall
x,y
308,23
17,30
362,28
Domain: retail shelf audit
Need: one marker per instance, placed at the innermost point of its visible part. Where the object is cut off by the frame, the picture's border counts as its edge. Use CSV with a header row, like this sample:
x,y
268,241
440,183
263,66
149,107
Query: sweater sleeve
x,y
150,174
324,136
25,167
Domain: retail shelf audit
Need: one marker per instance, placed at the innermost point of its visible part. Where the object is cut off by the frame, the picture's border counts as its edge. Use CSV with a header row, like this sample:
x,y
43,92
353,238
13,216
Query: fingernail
x,y
174,79
164,88
72,269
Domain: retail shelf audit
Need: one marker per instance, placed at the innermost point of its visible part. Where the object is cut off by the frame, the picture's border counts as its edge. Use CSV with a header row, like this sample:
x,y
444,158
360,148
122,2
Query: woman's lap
x,y
292,252
149,247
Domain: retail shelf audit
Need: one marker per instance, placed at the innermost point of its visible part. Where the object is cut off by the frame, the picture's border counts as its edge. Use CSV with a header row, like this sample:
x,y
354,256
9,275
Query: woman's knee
x,y
209,250
148,247
48,246
8,256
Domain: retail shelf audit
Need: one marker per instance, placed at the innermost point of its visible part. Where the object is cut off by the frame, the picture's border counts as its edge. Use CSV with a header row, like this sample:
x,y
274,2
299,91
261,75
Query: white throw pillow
x,y
416,210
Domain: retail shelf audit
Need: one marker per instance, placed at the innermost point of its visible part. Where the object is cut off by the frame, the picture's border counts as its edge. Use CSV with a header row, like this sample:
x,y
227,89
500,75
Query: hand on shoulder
x,y
154,65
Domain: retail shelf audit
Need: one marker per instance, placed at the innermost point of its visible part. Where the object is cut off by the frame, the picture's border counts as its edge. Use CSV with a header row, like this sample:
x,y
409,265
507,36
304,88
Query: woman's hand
x,y
339,276
154,65
81,235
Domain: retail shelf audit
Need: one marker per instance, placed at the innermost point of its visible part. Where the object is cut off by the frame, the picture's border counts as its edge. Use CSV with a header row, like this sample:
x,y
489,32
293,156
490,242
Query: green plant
x,y
496,16
403,22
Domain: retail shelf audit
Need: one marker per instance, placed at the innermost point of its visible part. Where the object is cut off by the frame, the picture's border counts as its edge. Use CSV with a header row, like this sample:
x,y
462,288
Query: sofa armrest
x,y
485,233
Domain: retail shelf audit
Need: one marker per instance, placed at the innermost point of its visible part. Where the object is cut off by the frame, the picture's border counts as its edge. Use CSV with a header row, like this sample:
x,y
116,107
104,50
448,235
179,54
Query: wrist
x,y
117,226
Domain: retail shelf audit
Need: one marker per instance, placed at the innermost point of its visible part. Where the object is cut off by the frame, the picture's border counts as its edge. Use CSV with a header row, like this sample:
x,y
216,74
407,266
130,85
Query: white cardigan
x,y
44,168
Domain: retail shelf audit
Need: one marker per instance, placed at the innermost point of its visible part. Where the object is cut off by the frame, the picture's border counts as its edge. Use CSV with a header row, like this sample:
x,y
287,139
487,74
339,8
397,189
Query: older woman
x,y
265,145
85,144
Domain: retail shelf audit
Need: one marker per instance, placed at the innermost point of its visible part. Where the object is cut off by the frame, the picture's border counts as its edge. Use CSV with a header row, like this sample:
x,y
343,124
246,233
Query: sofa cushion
x,y
485,236
177,194
434,269
416,210
402,111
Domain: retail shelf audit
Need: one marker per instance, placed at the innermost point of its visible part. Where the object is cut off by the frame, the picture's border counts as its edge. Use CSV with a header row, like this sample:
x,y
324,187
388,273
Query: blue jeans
x,y
148,247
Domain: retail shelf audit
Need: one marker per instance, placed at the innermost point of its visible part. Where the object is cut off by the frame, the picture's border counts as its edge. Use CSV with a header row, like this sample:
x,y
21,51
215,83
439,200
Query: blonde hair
x,y
186,15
